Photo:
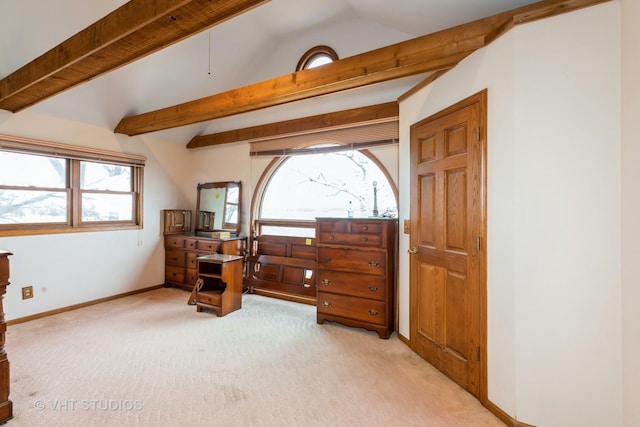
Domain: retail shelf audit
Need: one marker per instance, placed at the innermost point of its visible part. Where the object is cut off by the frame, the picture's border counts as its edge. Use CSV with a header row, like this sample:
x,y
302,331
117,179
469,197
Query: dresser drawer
x,y
366,227
364,262
209,298
333,226
173,242
343,225
208,246
352,239
192,260
190,244
174,258
351,232
174,274
355,284
365,310
191,277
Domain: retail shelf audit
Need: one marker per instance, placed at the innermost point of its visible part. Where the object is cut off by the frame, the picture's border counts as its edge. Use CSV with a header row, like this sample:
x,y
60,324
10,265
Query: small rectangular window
x,y
31,206
54,188
107,207
103,176
29,170
107,192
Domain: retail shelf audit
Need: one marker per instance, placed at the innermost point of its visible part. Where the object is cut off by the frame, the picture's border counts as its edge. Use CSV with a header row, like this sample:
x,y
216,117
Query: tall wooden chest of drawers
x,y
182,250
6,406
356,277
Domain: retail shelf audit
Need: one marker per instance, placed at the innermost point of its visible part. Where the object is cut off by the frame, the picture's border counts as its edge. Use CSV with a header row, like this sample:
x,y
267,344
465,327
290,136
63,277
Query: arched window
x,y
316,56
297,189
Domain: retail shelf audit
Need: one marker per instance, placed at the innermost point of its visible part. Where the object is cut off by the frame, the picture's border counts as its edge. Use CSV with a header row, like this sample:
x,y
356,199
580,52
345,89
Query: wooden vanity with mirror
x,y
216,230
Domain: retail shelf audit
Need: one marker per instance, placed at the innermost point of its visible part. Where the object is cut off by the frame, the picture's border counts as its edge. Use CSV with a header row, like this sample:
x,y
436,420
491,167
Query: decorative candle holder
x,y
375,198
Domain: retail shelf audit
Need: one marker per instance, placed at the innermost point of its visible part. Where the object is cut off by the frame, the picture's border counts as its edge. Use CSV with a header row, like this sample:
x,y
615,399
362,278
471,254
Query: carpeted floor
x,y
152,360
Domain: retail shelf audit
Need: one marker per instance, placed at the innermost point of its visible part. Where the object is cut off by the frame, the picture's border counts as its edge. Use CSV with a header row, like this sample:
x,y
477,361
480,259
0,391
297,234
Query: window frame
x,y
226,206
313,53
74,155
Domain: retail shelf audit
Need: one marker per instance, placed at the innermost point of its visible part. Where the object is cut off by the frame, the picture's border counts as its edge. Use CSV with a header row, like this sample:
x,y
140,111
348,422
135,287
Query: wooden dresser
x,y
6,406
356,277
182,251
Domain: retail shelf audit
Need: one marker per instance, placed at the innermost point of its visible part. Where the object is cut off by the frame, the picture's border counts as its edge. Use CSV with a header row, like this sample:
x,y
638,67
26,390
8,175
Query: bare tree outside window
x,y
36,189
33,188
319,185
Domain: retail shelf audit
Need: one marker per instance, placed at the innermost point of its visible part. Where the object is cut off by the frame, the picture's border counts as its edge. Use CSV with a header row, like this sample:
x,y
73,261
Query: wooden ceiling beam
x,y
430,53
393,62
337,119
134,30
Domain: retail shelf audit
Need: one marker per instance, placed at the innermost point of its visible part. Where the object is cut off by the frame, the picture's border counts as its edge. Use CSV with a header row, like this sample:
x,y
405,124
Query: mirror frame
x,y
235,228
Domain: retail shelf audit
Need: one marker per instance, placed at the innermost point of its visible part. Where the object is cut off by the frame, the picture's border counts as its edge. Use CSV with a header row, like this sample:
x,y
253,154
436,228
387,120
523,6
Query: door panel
x,y
428,276
428,222
455,226
448,269
455,305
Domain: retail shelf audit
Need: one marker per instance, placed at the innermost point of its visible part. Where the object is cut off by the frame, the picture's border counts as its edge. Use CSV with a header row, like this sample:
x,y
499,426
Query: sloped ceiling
x,y
260,44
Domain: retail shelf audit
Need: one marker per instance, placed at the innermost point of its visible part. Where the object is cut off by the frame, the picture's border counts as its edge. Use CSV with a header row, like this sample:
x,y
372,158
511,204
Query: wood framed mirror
x,y
218,207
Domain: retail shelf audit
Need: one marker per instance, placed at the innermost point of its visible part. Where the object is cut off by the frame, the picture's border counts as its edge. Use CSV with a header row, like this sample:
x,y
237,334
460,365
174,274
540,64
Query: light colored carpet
x,y
152,360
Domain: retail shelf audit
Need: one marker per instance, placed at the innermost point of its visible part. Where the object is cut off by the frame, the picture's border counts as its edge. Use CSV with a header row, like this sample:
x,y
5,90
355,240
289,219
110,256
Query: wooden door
x,y
447,264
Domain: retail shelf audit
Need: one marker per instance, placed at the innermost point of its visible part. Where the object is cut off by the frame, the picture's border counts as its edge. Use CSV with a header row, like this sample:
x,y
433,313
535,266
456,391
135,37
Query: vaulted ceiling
x,y
178,69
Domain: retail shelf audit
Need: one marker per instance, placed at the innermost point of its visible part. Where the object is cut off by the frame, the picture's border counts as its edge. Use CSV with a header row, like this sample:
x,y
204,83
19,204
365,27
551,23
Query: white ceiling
x,y
263,43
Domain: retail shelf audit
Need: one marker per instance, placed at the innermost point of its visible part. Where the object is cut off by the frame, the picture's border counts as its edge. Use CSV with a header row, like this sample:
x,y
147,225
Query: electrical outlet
x,y
27,292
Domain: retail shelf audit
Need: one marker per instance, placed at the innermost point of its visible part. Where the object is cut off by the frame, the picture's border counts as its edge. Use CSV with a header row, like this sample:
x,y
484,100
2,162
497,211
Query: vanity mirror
x,y
218,207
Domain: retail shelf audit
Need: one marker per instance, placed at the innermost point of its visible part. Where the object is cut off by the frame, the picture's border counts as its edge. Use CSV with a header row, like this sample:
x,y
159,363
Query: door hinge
x,y
477,133
477,243
478,354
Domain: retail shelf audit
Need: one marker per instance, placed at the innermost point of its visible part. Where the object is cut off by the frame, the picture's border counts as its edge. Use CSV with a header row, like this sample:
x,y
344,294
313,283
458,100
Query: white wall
x,y
68,269
554,285
568,297
631,209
